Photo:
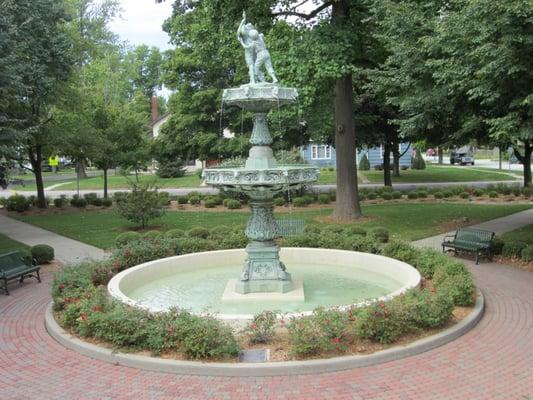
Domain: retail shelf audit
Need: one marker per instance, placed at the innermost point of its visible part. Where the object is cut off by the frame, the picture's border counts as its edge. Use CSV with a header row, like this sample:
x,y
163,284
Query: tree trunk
x,y
500,157
347,205
36,158
387,180
105,183
80,169
526,161
440,154
395,159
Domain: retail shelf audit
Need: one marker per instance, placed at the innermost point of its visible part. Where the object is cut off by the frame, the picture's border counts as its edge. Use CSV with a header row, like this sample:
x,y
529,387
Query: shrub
x,y
425,309
279,201
309,199
42,253
107,202
447,194
401,251
333,195
60,202
101,274
396,194
516,191
164,198
493,194
438,195
378,167
170,169
188,245
299,202
380,322
98,202
513,249
355,230
478,192
141,251
183,199
527,192
427,260
404,167
151,235
210,203
262,327
194,193
78,202
459,288
527,253
207,337
194,200
141,205
496,245
69,284
412,195
119,196
372,196
198,232
422,194
233,204
324,198
386,196
126,237
379,234
175,233
417,161
464,195
18,203
364,165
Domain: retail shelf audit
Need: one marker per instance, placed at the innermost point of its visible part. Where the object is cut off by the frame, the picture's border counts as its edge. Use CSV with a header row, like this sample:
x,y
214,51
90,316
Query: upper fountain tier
x,y
259,97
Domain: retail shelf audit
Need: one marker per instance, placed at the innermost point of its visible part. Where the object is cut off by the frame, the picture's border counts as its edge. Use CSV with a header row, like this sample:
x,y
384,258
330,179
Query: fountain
x,y
209,280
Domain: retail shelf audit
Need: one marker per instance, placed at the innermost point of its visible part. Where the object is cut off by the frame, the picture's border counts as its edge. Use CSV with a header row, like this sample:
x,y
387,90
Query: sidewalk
x,y
66,250
498,225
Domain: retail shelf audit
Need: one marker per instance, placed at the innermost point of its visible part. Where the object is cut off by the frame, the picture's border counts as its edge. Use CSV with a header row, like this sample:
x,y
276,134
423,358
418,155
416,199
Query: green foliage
x,y
126,237
425,309
69,284
151,235
17,203
140,251
141,205
198,232
379,234
101,273
401,251
78,202
493,194
364,164
380,322
438,195
418,161
170,169
42,253
262,327
496,245
279,201
60,202
233,204
412,195
324,198
527,253
513,249
175,233
427,260
194,200
396,194
183,199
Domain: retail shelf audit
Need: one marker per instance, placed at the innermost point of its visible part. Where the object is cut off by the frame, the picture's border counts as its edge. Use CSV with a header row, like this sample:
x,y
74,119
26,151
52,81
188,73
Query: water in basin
x,y
201,290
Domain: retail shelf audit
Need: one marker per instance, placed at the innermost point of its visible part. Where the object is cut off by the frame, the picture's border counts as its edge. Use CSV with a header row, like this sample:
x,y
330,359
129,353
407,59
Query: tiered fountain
x,y
209,280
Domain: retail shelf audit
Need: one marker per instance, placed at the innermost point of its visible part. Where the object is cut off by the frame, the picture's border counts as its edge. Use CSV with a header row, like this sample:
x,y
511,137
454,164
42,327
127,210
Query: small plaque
x,y
254,356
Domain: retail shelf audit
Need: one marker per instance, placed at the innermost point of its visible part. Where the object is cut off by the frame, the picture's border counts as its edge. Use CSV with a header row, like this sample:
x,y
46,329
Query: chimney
x,y
155,113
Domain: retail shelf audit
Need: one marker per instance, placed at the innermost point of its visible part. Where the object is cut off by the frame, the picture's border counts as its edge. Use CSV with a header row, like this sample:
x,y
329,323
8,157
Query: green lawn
x,y
119,182
405,221
524,234
7,244
434,173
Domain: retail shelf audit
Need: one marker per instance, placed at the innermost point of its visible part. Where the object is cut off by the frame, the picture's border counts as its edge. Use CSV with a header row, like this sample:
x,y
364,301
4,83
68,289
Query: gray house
x,y
323,155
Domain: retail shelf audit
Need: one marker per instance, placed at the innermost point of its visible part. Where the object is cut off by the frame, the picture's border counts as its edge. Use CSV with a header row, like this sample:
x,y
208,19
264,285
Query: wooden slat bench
x,y
13,265
471,240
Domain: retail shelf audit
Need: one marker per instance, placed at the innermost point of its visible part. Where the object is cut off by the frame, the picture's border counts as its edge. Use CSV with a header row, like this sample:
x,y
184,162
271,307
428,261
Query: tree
x,y
142,204
146,63
44,60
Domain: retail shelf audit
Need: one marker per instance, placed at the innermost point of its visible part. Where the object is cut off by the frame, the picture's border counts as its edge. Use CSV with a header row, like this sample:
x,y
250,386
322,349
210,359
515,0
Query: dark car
x,y
461,158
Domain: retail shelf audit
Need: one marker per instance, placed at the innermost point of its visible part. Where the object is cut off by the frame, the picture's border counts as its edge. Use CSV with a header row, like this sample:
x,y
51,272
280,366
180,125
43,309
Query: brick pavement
x,y
492,361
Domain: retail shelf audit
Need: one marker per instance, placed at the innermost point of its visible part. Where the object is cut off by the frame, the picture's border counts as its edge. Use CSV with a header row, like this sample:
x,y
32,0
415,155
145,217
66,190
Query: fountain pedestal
x,y
260,179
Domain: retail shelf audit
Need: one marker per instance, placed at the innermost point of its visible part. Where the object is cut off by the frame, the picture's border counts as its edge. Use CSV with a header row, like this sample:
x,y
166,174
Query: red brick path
x,y
493,361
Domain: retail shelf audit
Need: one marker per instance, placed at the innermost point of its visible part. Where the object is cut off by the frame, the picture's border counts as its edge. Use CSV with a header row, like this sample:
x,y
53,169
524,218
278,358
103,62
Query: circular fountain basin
x,y
196,282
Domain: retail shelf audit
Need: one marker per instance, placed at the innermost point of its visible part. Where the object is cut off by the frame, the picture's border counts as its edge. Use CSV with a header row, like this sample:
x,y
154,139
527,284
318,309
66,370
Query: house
x,y
323,155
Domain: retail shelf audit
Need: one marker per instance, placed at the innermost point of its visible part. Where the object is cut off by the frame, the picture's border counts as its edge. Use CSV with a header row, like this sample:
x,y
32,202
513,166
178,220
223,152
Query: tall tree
x,y
43,55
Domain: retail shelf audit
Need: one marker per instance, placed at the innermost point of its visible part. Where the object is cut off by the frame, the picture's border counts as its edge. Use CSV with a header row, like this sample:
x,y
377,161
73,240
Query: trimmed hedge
x,y
42,253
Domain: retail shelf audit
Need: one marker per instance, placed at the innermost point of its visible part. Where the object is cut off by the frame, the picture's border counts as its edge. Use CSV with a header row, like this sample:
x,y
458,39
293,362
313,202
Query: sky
x,y
140,22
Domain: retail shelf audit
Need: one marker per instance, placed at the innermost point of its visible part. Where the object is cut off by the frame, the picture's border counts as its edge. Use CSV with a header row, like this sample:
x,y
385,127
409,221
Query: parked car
x,y
462,158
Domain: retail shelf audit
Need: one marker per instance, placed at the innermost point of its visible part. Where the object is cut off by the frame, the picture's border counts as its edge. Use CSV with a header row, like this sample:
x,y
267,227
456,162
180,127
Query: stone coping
x,y
270,368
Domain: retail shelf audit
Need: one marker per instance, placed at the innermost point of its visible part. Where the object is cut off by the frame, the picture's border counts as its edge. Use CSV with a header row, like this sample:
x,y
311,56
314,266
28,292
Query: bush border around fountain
x,y
283,368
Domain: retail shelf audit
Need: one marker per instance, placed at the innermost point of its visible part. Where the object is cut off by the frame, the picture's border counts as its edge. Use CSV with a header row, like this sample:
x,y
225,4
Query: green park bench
x,y
15,265
471,240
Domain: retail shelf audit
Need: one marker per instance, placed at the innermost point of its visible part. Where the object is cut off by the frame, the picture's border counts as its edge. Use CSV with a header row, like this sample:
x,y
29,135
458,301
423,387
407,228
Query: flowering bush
x,y
262,327
141,251
381,322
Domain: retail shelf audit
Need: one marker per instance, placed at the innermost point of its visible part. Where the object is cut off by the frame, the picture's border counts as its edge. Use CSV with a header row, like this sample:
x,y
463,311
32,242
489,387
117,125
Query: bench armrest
x,y
449,237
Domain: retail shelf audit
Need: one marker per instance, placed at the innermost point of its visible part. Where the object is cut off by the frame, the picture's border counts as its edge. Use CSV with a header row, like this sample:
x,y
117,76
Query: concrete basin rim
x,y
282,368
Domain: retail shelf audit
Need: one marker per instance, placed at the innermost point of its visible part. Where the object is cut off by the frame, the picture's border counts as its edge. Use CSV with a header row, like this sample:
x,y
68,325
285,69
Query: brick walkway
x,y
493,361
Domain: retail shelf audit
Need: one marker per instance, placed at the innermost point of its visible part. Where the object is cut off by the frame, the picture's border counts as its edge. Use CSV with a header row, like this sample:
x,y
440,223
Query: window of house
x,y
320,152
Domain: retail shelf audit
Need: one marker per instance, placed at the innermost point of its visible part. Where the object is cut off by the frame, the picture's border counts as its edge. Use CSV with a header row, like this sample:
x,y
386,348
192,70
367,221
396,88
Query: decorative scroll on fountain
x,y
261,177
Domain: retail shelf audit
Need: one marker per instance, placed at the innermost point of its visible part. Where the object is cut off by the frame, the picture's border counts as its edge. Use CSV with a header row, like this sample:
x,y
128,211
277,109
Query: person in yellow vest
x,y
53,161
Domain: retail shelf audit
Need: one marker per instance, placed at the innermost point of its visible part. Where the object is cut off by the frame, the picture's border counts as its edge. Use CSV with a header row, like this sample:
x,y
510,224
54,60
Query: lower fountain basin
x,y
196,282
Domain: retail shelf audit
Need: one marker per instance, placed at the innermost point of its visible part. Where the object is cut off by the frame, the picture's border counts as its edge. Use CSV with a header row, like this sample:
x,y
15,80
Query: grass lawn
x,y
406,221
434,173
7,245
119,182
524,234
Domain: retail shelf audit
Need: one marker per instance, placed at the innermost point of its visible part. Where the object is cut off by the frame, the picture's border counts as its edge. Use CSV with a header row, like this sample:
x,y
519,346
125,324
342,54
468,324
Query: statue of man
x,y
255,52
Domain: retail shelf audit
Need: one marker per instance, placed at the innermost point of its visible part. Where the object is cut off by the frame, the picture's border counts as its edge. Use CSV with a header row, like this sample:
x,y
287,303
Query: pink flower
x,y
83,316
61,287
381,304
253,326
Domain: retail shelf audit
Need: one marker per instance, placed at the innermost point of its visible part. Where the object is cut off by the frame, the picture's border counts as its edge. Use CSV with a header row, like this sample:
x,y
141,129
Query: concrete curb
x,y
267,369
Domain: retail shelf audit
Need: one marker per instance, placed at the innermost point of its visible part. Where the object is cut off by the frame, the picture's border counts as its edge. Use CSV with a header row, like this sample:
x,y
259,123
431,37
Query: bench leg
x,y
21,280
5,287
477,257
38,277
